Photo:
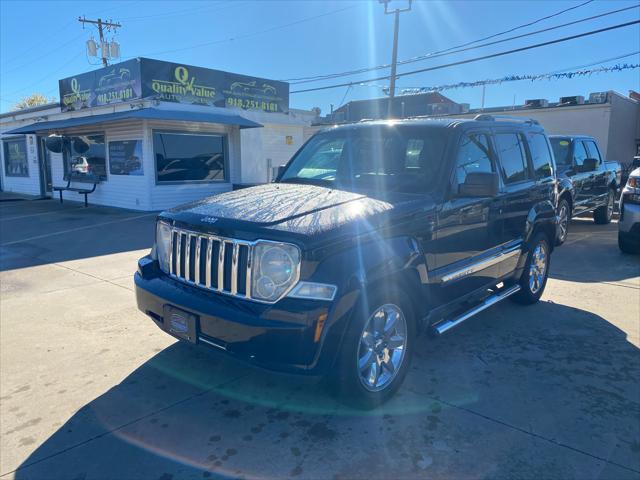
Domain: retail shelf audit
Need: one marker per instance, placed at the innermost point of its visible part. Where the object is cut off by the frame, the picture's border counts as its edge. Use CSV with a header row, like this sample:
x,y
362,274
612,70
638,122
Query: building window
x,y
86,156
189,157
125,157
15,158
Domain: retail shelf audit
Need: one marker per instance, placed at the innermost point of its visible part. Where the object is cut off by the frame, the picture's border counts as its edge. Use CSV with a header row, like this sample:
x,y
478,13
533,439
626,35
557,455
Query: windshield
x,y
561,150
391,158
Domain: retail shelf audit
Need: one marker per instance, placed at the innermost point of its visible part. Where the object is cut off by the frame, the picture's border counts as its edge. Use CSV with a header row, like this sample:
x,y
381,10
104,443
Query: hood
x,y
293,208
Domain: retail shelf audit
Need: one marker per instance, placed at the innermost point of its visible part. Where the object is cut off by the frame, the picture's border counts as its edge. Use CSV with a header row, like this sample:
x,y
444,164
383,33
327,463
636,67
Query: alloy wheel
x,y
382,347
563,223
537,268
610,205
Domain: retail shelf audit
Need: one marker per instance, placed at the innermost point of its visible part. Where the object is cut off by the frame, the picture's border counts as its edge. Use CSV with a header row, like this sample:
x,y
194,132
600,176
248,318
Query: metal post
x,y
394,61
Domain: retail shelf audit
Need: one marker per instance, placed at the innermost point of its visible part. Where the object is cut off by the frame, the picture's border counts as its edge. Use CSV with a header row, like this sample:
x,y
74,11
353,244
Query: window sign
x,y
187,157
15,158
125,157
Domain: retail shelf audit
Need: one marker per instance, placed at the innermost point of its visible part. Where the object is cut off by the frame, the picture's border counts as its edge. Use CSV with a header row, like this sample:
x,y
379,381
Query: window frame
x,y
5,158
586,142
552,160
225,147
528,160
493,158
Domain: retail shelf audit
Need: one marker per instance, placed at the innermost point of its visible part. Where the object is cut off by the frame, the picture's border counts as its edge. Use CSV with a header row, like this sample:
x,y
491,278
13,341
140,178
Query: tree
x,y
33,100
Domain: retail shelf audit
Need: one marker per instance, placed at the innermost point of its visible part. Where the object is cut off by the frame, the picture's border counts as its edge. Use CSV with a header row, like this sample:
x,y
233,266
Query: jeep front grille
x,y
208,261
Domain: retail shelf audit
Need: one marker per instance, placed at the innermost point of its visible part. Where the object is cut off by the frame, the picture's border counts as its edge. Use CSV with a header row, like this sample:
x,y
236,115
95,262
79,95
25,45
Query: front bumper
x,y
293,335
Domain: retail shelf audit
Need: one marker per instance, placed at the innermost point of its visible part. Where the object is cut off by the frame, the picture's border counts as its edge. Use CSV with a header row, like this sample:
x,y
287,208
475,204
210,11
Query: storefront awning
x,y
150,113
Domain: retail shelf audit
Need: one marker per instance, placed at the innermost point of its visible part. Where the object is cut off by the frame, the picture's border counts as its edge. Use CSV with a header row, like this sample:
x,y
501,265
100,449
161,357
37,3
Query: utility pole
x,y
394,55
101,27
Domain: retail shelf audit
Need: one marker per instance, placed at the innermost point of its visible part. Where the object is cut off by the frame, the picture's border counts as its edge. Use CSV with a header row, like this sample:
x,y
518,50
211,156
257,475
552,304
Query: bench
x,y
90,180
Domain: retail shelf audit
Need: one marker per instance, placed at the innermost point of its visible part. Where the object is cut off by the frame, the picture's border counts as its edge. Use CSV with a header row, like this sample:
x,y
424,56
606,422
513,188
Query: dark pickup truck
x,y
372,233
586,183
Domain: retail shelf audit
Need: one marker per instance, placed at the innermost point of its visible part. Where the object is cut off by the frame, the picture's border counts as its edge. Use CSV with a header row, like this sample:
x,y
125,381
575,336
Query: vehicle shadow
x,y
546,390
576,260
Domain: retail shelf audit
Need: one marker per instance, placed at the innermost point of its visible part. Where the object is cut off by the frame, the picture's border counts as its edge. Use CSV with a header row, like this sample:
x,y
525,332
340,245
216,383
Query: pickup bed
x,y
586,182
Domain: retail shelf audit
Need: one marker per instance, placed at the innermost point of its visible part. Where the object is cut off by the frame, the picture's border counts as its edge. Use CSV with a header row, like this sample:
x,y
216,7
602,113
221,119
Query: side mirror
x,y
590,164
479,184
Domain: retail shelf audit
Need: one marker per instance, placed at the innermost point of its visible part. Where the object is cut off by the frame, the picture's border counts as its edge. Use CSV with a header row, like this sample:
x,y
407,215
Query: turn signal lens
x,y
313,291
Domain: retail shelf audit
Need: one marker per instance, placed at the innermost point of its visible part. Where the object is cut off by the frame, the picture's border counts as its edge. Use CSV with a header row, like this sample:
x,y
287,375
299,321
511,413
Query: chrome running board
x,y
447,325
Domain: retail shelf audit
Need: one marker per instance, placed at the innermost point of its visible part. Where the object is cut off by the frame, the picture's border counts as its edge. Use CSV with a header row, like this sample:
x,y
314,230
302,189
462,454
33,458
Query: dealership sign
x,y
172,82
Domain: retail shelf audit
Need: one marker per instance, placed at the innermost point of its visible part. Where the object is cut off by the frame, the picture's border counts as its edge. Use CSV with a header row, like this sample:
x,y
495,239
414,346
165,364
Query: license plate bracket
x,y
180,324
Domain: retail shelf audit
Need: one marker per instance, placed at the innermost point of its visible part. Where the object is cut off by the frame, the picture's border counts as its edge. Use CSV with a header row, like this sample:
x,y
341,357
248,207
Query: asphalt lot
x,y
91,389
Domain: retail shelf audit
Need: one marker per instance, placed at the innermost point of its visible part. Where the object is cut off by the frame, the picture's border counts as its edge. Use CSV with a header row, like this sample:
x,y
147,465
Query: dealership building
x,y
151,135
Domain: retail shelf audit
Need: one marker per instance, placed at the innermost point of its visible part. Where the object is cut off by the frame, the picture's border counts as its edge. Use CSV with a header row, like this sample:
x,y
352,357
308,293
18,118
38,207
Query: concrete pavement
x,y
90,388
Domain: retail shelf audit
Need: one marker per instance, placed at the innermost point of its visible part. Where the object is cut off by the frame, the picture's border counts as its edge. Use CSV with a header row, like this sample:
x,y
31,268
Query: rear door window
x,y
592,150
474,155
513,159
540,155
579,154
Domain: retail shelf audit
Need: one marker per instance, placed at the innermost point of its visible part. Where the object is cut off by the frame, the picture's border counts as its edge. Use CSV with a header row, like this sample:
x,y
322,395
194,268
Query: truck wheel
x,y
377,350
602,215
564,218
626,246
536,271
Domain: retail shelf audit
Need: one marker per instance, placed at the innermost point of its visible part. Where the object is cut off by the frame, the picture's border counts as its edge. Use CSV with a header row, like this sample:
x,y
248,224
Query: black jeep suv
x,y
372,233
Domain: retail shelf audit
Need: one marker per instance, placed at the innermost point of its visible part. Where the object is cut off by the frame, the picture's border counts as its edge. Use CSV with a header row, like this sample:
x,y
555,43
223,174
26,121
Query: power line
x,y
476,59
454,50
247,35
184,11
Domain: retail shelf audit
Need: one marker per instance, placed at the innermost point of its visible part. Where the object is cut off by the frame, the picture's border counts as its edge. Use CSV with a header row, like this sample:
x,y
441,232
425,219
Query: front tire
x,y
536,271
627,246
603,215
564,218
377,350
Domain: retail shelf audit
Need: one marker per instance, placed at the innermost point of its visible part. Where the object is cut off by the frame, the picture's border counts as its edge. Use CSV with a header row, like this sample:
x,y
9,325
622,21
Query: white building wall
x,y
125,191
264,147
26,185
624,129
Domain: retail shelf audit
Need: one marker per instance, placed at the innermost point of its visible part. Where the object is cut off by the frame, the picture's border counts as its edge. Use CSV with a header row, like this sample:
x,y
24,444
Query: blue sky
x,y
41,42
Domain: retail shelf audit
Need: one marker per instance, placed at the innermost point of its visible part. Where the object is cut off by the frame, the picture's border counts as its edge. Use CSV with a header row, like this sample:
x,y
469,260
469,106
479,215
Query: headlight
x,y
275,270
163,245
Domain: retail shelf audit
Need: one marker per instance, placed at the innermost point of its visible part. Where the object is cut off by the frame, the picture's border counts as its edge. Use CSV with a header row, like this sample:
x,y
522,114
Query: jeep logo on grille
x,y
210,219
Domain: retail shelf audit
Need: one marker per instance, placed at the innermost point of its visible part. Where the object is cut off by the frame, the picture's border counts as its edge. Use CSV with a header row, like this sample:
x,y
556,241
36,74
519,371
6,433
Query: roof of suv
x,y
437,123
573,137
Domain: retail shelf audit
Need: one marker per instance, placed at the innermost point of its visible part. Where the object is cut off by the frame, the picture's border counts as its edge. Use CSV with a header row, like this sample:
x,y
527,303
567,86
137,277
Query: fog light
x,y
313,291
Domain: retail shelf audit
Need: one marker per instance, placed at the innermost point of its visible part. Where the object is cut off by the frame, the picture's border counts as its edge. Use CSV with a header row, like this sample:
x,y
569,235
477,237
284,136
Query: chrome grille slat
x,y
207,282
234,268
187,257
196,264
221,265
183,257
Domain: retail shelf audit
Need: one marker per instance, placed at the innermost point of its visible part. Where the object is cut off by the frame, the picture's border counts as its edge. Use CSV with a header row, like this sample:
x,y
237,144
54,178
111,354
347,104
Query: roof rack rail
x,y
493,118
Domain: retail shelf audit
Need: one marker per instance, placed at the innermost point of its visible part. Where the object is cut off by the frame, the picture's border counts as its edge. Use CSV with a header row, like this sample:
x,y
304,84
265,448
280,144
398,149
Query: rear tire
x,y
536,271
374,358
626,246
564,218
602,215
